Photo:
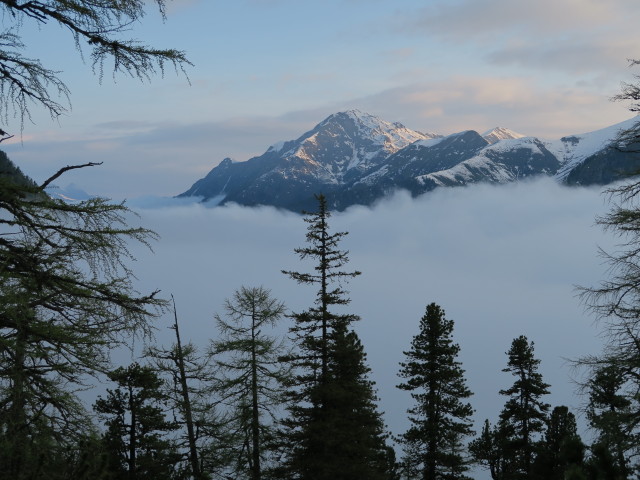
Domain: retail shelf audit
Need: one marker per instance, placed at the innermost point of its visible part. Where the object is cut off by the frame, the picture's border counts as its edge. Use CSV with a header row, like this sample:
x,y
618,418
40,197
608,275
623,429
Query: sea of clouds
x,y
502,261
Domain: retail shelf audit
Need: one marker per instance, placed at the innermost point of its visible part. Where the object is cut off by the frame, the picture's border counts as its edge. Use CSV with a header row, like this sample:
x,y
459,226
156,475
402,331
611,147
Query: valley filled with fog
x,y
502,261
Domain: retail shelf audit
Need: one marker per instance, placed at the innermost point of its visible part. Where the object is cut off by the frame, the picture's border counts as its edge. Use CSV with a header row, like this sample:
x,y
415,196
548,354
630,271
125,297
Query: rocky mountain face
x,y
356,158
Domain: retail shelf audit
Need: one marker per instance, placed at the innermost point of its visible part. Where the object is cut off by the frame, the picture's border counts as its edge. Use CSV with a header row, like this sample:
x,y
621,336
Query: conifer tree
x,y
616,304
524,415
491,450
357,446
441,418
314,326
251,378
136,426
331,392
611,413
561,450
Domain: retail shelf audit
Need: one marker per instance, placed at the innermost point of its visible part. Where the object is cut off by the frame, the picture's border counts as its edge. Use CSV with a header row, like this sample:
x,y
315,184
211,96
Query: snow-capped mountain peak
x,y
500,133
351,140
390,136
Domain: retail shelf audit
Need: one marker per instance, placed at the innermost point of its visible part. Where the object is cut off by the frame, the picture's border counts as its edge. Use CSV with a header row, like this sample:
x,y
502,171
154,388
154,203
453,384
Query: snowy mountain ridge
x,y
574,149
357,158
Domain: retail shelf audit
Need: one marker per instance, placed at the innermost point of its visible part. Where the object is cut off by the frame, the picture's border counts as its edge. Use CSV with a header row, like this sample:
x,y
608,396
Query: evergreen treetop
x,y
313,326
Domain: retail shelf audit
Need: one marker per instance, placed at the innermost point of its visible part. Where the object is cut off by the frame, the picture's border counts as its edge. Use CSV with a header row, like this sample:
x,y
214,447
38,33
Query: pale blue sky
x,y
268,70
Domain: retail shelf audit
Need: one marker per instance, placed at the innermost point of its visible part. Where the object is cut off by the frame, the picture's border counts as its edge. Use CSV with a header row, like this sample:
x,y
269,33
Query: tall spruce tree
x,y
313,326
441,418
524,415
334,430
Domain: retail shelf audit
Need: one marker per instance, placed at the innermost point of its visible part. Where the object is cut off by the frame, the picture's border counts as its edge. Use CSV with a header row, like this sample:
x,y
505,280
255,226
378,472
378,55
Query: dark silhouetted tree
x,y
331,382
491,450
561,450
134,415
612,413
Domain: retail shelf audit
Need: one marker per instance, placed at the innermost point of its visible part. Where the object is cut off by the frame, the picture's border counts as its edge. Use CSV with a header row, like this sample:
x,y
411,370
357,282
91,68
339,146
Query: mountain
x,y
356,158
337,152
594,158
70,193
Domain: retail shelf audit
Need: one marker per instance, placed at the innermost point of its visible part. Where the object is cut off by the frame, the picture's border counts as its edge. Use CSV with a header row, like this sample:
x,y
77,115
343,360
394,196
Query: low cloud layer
x,y
502,261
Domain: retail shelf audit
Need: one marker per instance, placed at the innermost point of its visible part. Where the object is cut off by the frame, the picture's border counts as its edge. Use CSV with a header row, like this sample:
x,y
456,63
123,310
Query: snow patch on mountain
x,y
347,141
430,142
276,147
467,171
506,145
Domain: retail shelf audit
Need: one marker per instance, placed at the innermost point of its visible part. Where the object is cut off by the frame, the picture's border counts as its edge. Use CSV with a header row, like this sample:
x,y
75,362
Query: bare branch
x,y
66,169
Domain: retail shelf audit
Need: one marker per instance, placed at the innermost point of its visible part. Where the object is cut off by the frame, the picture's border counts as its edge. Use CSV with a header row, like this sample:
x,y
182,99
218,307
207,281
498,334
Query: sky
x,y
269,70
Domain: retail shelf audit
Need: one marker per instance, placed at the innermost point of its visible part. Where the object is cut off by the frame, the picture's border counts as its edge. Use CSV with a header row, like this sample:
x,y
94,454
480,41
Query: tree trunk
x,y
188,416
255,412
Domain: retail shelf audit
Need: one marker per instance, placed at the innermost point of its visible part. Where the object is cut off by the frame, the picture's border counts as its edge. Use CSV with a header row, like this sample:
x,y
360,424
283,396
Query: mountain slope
x,y
593,158
502,162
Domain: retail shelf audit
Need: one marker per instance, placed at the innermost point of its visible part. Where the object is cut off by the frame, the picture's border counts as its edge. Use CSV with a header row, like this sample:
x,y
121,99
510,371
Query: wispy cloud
x,y
574,36
479,103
